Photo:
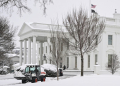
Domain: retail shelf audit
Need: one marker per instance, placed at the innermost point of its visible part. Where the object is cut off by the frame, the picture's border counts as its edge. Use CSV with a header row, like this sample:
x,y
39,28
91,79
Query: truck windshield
x,y
32,69
27,70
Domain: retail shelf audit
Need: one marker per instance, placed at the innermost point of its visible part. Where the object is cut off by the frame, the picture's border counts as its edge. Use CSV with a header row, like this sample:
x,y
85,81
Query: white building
x,y
36,35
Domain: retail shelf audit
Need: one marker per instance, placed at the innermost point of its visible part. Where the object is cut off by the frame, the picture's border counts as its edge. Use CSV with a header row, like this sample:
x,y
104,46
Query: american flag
x,y
93,6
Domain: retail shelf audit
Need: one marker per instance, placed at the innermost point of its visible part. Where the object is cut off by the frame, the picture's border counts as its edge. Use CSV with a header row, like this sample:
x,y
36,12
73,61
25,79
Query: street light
x,y
44,57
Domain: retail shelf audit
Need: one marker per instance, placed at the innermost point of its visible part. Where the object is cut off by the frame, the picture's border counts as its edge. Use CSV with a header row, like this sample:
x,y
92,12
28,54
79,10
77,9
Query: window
x,y
96,40
75,44
109,60
61,46
50,48
67,62
61,59
46,49
88,61
75,62
95,59
109,39
67,45
39,50
50,61
88,41
60,64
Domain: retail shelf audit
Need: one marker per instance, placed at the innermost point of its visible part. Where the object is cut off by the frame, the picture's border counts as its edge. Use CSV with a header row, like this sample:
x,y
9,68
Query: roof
x,y
12,55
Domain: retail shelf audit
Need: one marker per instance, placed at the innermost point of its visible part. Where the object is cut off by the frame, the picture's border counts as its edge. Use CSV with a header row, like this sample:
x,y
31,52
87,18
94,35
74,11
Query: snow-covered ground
x,y
87,80
8,76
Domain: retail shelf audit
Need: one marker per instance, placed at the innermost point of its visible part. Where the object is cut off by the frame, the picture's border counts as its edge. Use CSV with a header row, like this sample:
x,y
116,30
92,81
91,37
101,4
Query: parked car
x,y
51,70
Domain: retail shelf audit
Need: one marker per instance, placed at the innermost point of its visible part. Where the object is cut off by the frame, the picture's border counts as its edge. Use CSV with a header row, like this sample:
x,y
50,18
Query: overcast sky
x,y
59,9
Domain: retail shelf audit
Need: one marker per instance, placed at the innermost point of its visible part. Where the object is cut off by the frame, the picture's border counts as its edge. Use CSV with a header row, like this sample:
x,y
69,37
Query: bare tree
x,y
56,47
6,37
85,33
113,63
21,5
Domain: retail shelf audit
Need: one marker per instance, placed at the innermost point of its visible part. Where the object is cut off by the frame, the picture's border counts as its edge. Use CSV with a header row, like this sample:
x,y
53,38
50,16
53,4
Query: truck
x,y
30,73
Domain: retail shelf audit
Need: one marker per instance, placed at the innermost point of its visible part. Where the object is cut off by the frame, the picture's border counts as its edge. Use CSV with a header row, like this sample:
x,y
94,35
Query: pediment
x,y
110,50
24,29
95,51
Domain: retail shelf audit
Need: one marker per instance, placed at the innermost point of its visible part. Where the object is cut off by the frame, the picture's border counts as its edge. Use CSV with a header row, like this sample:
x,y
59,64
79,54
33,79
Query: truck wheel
x,y
34,80
23,81
41,79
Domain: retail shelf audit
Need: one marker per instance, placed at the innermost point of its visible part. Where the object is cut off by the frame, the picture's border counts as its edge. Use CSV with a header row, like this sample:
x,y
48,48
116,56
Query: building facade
x,y
36,36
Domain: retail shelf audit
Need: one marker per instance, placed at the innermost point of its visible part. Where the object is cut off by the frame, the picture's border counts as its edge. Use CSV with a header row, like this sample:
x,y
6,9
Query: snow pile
x,y
18,74
6,67
49,67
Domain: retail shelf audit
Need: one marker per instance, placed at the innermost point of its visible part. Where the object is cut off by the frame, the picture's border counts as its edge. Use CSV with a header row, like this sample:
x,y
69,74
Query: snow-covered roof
x,y
41,26
12,55
6,67
17,64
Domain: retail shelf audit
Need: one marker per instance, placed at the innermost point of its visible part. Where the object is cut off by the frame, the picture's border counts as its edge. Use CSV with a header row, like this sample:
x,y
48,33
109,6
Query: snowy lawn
x,y
87,80
7,76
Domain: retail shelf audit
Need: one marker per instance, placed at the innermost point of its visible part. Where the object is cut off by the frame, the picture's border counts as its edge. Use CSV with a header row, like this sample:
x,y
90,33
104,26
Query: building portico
x,y
32,40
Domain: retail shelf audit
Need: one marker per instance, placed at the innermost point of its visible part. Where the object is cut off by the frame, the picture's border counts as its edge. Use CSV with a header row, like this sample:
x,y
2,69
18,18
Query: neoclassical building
x,y
36,36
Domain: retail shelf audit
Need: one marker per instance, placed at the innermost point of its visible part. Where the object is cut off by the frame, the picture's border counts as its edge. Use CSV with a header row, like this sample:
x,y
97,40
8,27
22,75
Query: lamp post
x,y
44,57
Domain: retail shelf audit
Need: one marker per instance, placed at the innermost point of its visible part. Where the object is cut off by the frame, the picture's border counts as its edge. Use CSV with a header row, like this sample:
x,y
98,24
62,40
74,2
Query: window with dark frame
x,y
61,46
46,49
67,45
39,50
75,61
67,62
88,61
50,61
50,48
96,59
110,39
88,41
109,60
96,39
75,44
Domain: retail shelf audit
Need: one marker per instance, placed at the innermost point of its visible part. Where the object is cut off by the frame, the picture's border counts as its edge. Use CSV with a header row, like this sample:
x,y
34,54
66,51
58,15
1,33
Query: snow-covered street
x,y
87,80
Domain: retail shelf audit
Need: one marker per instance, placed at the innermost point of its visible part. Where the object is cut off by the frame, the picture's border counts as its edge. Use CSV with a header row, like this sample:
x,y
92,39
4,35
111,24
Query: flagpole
x,y
89,8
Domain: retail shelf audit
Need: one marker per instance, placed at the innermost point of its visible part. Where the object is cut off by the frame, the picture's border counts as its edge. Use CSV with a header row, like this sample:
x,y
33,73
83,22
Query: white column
x,y
34,50
25,52
37,59
20,59
41,53
29,51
